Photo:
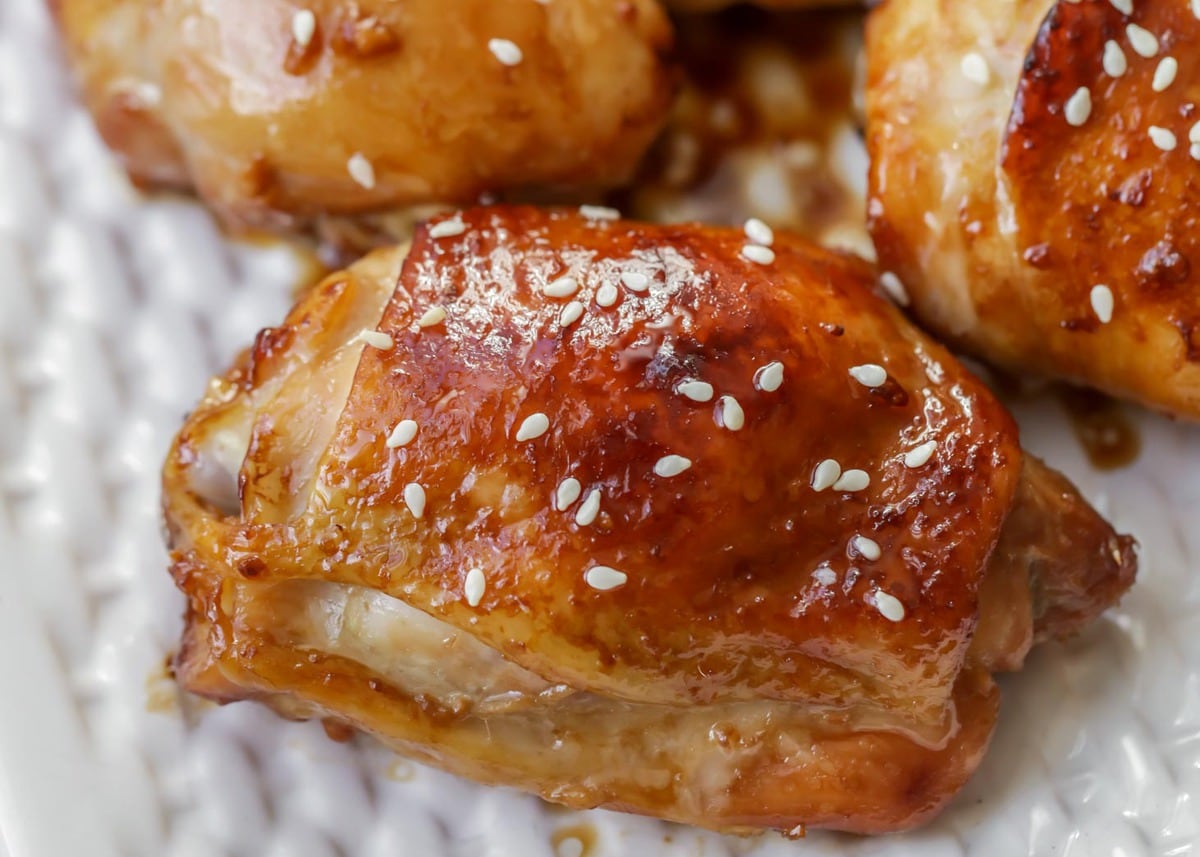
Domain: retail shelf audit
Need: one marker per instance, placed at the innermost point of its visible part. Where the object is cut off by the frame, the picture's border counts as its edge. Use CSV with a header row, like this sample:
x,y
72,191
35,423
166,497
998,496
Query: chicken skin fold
x,y
1035,184
651,518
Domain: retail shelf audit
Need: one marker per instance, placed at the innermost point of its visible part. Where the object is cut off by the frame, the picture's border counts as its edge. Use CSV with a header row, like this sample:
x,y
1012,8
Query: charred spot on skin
x,y
1163,266
251,567
832,329
890,392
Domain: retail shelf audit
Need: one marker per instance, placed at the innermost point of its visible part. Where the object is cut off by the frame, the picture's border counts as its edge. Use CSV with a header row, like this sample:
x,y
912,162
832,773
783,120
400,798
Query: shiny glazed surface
x,y
1001,217
752,668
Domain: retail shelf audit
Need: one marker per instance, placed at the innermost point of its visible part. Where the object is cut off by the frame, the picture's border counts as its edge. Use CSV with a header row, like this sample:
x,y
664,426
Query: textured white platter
x,y
113,311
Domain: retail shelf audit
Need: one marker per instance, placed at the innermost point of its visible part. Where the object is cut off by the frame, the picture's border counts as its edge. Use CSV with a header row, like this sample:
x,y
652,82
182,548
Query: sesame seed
x,y
866,548
433,315
1196,8
570,314
360,170
975,68
919,456
1164,75
1143,42
1079,107
606,295
635,281
732,415
894,288
671,465
563,287
599,212
1163,138
758,232
448,228
769,378
375,339
304,27
825,575
532,427
603,578
506,51
697,391
1102,303
1194,133
826,474
414,498
568,492
402,434
852,480
758,254
1194,151
474,586
889,606
589,509
1125,7
1115,63
869,374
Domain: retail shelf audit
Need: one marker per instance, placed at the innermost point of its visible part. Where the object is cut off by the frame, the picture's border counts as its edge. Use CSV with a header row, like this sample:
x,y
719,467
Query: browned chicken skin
x,y
1035,184
610,560
280,112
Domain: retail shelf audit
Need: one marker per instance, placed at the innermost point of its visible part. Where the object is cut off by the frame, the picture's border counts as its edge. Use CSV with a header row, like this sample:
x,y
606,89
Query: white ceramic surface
x,y
114,309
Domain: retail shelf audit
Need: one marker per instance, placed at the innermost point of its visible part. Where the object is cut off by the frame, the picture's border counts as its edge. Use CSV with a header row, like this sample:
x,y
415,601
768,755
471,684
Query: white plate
x,y
114,309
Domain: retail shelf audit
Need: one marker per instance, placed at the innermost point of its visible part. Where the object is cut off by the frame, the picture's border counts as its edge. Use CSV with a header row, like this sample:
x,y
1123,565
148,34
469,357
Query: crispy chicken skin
x,y
1059,169
236,100
723,638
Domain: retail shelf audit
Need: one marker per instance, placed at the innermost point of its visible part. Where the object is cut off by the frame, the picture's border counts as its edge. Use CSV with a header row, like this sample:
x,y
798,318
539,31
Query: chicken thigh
x,y
279,112
1035,184
660,519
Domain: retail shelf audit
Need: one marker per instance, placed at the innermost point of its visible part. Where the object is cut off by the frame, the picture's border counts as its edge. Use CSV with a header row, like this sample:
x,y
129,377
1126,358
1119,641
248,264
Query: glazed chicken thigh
x,y
280,112
1035,184
651,518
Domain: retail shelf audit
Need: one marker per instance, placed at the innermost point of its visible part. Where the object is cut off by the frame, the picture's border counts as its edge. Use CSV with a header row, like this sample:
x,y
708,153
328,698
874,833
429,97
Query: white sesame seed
x,y
474,586
825,575
894,288
448,228
758,232
606,295
1125,7
1194,151
375,339
563,287
1143,42
889,606
769,378
603,578
1115,63
732,415
1079,107
568,492
1194,133
758,254
402,434
1163,138
635,281
1196,8
1164,75
505,51
869,374
361,170
852,480
304,27
589,509
919,456
671,465
414,498
433,315
1102,303
826,474
866,548
697,391
975,68
532,427
599,212
570,314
